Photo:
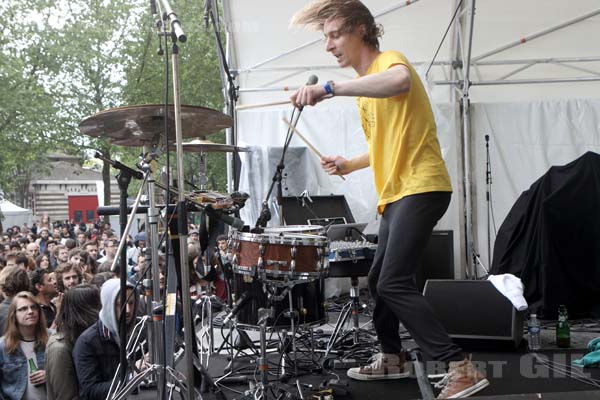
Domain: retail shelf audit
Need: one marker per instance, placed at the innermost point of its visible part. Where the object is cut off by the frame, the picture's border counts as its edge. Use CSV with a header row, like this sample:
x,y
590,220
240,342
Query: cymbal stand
x,y
176,380
350,310
155,372
177,34
206,321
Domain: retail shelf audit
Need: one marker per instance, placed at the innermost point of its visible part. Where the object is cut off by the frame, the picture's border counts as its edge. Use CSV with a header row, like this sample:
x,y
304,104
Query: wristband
x,y
328,86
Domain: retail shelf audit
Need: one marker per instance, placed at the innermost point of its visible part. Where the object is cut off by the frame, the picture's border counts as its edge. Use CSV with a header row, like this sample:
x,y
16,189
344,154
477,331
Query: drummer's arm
x,y
338,165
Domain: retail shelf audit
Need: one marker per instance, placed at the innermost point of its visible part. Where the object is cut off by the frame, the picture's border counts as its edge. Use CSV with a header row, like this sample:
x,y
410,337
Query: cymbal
x,y
206,146
141,125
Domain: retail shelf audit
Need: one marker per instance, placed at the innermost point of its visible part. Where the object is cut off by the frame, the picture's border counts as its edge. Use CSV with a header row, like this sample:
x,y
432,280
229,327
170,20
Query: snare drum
x,y
270,255
308,303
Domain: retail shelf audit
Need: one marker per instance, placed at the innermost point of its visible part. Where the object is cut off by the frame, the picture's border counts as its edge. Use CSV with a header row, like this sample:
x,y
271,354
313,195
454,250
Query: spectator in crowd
x,y
32,250
194,236
45,222
79,310
89,266
67,276
110,250
81,239
43,287
75,256
43,240
100,278
11,259
22,260
92,248
15,281
42,261
31,265
139,268
23,343
139,244
66,233
96,352
70,244
61,256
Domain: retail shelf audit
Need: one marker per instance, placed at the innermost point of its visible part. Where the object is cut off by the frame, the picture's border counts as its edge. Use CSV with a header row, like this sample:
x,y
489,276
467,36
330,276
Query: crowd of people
x,y
60,305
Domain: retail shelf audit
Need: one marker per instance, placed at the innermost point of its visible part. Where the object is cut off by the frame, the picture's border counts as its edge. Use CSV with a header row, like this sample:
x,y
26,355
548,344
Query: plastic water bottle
x,y
533,328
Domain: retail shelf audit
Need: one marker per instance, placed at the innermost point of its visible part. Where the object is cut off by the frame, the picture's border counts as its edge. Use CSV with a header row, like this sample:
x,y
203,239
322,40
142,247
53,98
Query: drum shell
x,y
297,256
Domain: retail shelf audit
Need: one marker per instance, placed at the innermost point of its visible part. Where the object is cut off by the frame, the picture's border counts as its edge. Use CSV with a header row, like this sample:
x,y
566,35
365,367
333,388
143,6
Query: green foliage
x,y
66,60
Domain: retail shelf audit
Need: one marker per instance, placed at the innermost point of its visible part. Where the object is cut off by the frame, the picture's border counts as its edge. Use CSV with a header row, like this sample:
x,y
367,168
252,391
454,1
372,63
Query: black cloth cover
x,y
551,239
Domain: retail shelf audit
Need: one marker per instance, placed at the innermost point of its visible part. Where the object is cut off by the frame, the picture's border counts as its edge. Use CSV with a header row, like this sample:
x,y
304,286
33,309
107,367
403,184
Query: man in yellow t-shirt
x,y
411,180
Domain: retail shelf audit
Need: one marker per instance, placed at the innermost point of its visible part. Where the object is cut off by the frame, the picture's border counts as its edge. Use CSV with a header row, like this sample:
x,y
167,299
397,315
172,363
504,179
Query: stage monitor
x,y
298,210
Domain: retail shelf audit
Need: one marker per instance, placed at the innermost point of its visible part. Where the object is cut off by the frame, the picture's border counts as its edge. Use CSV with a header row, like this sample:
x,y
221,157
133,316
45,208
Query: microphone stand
x,y
488,185
265,214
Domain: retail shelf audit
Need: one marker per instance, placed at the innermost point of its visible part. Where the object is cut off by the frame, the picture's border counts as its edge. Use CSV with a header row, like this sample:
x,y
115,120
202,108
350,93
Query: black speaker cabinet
x,y
475,311
438,259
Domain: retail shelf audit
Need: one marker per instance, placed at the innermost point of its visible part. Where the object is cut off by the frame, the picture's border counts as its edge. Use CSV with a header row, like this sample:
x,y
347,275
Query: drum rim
x,y
302,239
295,228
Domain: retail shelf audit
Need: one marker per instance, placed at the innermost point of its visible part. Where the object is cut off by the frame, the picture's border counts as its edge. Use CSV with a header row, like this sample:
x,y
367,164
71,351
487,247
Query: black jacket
x,y
96,357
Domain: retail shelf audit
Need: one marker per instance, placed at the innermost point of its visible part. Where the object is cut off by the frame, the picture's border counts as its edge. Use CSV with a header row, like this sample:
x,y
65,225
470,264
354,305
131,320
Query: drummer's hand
x,y
335,165
308,95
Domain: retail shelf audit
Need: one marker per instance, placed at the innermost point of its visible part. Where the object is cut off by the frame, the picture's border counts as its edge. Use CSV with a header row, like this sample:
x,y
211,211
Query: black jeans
x,y
404,231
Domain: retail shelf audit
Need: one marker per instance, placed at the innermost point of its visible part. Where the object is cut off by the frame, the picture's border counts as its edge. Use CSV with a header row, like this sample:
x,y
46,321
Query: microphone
x,y
120,166
487,138
153,7
312,80
244,298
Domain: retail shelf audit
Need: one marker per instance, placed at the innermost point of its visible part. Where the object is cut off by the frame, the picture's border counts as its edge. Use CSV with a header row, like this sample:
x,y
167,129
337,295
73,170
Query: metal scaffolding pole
x,y
466,113
536,35
388,10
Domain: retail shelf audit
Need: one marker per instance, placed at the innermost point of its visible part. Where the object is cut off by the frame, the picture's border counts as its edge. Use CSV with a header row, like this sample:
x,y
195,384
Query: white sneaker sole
x,y
471,390
362,377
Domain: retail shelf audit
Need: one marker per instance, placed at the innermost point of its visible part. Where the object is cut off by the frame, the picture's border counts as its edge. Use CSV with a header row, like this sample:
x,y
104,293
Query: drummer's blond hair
x,y
353,14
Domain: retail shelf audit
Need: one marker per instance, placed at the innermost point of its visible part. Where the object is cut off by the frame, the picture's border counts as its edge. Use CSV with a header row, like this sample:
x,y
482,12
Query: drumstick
x,y
250,106
305,140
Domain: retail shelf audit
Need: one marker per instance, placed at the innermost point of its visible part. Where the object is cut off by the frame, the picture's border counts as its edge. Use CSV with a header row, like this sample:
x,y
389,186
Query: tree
x,y
68,60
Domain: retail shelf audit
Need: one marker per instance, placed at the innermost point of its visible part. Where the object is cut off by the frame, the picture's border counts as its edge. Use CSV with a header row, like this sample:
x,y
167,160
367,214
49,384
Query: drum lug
x,y
293,252
234,260
260,263
293,264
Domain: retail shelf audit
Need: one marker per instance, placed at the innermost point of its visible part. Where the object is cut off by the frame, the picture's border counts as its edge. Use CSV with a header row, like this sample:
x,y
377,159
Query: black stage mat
x,y
512,375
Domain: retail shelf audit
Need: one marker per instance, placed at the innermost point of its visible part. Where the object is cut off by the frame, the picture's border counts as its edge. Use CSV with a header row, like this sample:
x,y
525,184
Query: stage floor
x,y
513,373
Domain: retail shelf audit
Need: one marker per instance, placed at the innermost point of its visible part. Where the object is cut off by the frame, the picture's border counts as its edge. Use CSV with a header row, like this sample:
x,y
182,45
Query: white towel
x,y
512,288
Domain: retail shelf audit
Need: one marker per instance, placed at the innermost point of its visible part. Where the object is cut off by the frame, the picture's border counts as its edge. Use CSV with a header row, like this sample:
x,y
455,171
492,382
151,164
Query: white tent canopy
x,y
14,215
533,74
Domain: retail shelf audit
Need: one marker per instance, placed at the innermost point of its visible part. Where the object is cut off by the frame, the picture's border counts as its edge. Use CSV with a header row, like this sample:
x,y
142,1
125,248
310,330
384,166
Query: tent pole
x,y
537,35
388,10
466,113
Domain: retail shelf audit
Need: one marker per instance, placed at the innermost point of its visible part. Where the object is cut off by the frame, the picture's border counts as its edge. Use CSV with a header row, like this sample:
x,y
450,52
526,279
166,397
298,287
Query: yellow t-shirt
x,y
404,151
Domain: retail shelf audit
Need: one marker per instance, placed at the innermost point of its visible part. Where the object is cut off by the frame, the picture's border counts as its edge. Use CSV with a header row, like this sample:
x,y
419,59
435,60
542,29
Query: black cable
x,y
444,38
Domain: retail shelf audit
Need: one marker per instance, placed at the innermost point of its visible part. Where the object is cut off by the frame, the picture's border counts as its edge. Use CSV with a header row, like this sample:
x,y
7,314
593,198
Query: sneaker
x,y
462,380
383,366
